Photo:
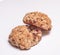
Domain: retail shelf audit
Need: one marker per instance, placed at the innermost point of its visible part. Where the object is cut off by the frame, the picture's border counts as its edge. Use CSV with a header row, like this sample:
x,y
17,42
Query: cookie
x,y
38,19
24,37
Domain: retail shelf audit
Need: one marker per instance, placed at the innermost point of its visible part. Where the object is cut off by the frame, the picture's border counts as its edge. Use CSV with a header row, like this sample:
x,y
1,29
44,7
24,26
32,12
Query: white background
x,y
11,15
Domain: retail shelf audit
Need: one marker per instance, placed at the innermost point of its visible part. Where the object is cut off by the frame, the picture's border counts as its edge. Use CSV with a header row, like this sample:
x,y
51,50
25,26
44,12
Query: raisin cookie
x,y
24,37
38,19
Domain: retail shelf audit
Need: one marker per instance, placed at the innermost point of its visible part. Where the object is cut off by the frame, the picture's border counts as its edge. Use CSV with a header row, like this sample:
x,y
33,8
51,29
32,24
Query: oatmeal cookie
x,y
38,19
24,37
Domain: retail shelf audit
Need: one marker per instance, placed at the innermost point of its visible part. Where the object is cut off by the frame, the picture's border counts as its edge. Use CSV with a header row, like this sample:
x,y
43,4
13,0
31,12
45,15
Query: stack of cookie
x,y
26,36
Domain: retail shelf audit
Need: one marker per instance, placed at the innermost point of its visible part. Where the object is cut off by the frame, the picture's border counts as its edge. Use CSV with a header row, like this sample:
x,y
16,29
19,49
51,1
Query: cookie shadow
x,y
45,33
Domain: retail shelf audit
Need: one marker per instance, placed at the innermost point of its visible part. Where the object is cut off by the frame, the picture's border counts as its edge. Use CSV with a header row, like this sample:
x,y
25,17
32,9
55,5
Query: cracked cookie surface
x,y
38,19
24,37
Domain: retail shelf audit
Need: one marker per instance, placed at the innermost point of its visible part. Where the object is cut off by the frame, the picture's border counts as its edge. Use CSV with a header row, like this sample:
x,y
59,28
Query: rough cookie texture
x,y
38,19
24,37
